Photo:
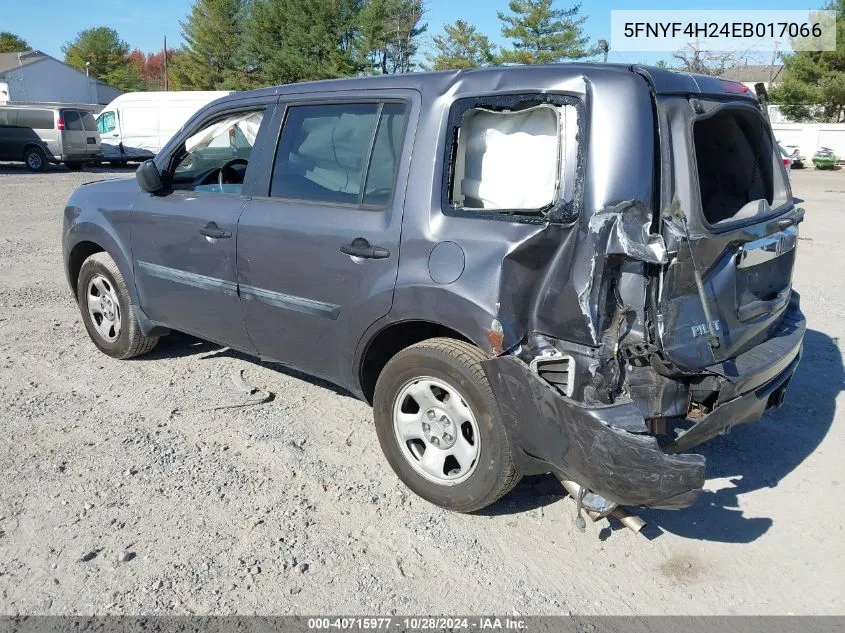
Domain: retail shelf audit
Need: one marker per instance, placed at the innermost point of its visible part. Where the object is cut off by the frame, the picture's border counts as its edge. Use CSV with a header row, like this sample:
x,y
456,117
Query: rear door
x,y
73,135
318,253
728,214
92,135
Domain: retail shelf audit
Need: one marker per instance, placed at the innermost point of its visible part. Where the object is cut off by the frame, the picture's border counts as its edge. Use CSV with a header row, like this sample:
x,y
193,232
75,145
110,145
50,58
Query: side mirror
x,y
148,177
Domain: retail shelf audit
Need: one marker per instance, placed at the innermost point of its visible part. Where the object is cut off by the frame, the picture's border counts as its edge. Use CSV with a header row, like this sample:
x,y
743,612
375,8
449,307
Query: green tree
x,y
299,40
11,43
811,86
212,34
105,56
542,34
389,34
461,46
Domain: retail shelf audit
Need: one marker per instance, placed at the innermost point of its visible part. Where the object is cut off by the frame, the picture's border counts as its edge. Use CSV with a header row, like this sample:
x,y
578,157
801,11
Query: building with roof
x,y
750,74
35,76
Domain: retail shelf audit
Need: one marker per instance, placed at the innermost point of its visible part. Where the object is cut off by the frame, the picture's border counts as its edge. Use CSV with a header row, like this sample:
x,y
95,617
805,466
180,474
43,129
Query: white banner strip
x,y
744,31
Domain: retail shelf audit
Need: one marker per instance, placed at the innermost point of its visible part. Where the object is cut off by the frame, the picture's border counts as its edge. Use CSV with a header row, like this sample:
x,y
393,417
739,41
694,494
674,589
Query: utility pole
x,y
166,83
772,65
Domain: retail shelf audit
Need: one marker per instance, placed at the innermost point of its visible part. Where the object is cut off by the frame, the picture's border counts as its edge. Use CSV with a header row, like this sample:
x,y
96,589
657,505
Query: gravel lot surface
x,y
119,494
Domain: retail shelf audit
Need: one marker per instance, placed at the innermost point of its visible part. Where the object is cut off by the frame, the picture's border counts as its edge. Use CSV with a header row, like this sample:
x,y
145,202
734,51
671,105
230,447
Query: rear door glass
x,y
739,166
88,122
72,120
339,153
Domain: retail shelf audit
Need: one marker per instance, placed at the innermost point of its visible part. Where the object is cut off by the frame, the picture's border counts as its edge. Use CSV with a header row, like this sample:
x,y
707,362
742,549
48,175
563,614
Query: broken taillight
x,y
735,87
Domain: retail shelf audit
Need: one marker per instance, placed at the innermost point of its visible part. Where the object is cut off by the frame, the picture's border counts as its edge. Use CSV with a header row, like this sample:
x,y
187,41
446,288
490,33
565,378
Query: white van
x,y
136,125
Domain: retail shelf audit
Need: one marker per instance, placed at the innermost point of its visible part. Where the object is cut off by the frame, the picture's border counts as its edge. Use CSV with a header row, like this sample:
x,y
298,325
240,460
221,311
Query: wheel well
x,y
78,255
30,145
392,340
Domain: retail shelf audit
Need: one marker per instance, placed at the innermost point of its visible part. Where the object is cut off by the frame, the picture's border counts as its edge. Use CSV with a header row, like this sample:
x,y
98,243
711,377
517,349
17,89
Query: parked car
x,y
824,158
517,278
136,125
785,158
794,152
44,134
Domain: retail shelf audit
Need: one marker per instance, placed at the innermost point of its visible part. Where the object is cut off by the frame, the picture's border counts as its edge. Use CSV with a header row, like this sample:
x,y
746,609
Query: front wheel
x,y
107,310
439,426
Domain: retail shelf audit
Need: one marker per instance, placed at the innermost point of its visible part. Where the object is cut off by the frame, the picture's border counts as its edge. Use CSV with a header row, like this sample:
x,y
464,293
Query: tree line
x,y
242,44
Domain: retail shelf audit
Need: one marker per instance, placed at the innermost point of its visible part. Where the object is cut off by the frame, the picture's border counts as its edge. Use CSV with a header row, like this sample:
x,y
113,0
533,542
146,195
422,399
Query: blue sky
x,y
48,24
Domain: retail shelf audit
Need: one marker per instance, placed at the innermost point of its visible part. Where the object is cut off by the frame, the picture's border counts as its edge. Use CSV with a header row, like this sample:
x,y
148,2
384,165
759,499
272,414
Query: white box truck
x,y
136,125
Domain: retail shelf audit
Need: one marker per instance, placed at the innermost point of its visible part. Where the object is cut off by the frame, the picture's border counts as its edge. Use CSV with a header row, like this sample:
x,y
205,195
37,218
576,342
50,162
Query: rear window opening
x,y
518,161
739,171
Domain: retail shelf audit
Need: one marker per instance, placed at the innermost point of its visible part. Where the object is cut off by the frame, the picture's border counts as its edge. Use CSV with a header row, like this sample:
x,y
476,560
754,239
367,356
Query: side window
x,y
8,117
516,159
72,120
385,157
215,157
36,119
106,122
339,153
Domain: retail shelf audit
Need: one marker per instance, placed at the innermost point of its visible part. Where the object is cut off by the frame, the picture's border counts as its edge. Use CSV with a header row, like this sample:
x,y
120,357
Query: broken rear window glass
x,y
739,172
514,160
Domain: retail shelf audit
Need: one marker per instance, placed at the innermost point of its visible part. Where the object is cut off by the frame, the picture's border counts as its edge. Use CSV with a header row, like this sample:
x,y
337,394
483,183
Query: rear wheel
x,y
35,159
439,426
107,311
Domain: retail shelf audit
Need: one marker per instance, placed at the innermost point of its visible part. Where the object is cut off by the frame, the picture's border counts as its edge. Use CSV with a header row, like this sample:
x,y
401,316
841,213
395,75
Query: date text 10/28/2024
x,y
417,623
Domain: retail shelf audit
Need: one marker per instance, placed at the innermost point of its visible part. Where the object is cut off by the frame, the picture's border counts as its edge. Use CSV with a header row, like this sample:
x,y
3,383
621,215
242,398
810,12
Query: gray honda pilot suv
x,y
580,269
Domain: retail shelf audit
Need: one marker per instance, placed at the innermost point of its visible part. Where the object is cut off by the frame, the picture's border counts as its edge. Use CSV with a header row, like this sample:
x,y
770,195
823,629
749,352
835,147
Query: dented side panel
x,y
529,274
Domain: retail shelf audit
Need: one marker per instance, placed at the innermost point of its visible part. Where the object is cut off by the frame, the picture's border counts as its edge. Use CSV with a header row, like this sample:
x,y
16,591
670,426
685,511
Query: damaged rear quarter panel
x,y
529,273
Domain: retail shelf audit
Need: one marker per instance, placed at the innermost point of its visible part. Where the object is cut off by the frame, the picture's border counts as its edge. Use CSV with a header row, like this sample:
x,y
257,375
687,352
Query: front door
x,y
184,240
318,256
109,128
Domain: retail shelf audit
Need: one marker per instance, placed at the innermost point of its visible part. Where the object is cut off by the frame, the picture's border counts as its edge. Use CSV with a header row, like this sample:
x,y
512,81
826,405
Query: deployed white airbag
x,y
509,160
248,123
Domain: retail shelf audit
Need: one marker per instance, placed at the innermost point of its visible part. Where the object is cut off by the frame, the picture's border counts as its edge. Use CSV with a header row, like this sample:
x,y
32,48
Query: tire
x,y
423,369
74,166
119,336
35,159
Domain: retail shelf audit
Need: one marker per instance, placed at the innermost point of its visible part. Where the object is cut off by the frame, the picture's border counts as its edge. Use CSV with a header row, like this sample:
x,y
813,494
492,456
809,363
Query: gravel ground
x,y
121,495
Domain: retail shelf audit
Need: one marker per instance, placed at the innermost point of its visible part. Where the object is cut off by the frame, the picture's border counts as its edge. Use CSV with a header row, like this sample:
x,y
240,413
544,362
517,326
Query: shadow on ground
x,y
177,344
751,457
761,454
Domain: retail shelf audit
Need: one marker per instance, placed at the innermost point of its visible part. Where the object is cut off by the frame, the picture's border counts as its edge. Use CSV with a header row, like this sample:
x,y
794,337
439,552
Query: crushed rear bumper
x,y
607,448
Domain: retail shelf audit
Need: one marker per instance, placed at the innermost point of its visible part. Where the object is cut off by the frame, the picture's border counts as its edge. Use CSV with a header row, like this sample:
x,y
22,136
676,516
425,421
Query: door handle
x,y
360,247
214,232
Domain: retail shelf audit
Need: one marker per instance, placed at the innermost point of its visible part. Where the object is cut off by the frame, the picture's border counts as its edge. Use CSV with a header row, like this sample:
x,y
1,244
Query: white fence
x,y
809,137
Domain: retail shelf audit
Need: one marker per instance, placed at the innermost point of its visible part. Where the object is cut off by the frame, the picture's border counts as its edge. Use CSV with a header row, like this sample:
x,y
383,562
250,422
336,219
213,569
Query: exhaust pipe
x,y
630,521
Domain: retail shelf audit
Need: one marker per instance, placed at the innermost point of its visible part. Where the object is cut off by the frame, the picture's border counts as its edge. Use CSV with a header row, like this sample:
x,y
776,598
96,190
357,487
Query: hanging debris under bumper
x,y
607,448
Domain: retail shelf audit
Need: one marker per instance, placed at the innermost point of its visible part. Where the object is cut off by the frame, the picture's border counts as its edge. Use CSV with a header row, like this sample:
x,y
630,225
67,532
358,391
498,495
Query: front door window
x,y
215,158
